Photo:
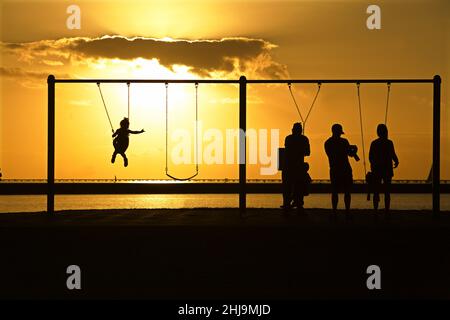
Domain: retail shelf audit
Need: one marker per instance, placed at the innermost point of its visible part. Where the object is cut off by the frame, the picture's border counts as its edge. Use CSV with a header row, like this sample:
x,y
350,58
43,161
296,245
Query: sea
x,y
12,204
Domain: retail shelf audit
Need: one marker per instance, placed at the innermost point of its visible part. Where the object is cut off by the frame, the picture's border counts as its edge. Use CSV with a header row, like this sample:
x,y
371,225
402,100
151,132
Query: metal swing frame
x,y
242,186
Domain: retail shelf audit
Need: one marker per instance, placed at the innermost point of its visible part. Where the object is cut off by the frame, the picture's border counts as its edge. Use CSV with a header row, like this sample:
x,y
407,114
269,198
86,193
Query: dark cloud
x,y
229,55
200,55
26,75
29,79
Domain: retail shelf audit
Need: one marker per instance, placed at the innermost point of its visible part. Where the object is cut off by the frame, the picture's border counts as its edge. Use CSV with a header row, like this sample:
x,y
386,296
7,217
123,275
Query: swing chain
x,y
319,85
104,105
167,121
362,129
387,102
196,126
128,85
295,102
196,135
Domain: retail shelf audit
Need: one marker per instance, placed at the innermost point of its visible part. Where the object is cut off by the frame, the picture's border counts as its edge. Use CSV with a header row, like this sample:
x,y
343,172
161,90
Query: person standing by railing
x,y
294,170
382,159
338,150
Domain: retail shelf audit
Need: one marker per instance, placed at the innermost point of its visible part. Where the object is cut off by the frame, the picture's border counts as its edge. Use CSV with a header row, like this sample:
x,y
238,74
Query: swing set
x,y
305,119
167,128
281,153
242,187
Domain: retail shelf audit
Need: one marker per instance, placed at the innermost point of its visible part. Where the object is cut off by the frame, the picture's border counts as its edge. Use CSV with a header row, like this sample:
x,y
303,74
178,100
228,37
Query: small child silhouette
x,y
121,142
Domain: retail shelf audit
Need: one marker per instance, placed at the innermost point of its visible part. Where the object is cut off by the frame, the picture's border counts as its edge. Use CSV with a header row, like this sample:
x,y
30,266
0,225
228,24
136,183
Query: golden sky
x,y
223,40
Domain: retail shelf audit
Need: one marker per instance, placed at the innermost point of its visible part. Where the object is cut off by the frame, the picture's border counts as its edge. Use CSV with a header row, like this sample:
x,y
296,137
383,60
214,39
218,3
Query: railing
x,y
225,180
171,187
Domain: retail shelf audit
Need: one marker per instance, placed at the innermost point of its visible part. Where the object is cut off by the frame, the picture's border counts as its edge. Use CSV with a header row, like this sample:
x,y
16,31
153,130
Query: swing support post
x,y
436,144
242,144
51,146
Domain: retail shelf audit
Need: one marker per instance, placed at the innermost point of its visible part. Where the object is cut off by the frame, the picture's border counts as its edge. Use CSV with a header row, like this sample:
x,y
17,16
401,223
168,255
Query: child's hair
x,y
124,123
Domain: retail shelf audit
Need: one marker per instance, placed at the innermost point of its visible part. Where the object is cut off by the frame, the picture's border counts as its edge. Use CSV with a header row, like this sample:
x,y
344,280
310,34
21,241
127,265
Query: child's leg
x,y
113,159
125,159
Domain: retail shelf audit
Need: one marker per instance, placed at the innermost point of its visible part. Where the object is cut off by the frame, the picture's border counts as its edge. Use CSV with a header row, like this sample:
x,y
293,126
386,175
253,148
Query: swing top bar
x,y
286,81
344,81
141,81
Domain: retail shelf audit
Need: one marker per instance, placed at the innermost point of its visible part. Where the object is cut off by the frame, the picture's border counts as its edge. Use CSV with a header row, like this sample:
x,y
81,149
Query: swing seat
x,y
182,179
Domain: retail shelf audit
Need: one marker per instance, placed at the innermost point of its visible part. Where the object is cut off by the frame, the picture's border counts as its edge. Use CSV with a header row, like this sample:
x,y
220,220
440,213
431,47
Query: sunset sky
x,y
216,39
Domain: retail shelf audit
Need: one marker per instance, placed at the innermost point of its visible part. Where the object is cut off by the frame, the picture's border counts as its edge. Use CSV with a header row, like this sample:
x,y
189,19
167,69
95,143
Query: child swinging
x,y
121,140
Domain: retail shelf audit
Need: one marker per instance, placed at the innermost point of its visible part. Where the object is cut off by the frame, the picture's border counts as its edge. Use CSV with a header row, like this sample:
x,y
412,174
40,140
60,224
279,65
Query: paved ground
x,y
216,253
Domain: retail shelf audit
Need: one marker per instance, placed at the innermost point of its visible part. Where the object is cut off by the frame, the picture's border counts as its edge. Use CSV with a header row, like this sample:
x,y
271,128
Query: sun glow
x,y
144,95
141,69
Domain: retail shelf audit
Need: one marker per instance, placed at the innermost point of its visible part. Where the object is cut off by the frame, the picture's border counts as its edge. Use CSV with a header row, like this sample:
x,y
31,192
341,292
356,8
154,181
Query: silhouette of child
x,y
121,140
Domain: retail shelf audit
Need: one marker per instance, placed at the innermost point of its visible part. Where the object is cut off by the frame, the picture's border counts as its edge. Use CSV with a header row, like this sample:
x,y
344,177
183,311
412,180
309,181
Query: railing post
x,y
51,146
242,143
436,144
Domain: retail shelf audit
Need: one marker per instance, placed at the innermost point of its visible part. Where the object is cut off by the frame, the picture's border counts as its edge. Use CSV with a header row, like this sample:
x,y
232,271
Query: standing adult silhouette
x,y
294,171
338,150
382,159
